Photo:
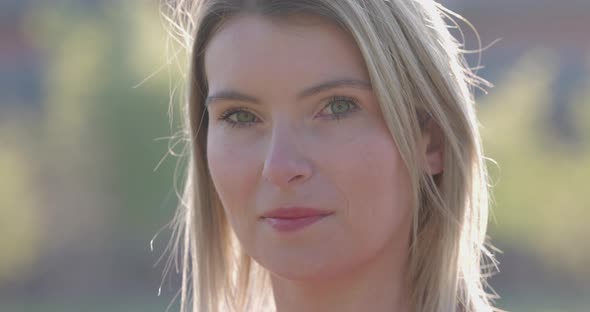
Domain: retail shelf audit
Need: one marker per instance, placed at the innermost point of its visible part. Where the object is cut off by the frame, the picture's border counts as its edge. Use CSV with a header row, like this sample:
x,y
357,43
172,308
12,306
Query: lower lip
x,y
291,225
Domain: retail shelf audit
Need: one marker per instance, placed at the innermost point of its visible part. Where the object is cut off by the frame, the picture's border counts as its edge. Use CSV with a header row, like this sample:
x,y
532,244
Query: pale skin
x,y
284,82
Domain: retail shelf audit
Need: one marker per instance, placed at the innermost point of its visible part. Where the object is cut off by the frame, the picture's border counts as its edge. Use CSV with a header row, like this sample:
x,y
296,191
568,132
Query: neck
x,y
378,285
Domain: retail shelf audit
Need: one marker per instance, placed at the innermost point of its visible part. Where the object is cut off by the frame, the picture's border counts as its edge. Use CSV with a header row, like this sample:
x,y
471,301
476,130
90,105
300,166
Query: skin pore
x,y
293,121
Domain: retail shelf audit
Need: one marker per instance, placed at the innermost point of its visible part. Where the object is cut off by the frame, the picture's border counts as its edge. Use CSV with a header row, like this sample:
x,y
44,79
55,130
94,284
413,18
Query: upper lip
x,y
295,212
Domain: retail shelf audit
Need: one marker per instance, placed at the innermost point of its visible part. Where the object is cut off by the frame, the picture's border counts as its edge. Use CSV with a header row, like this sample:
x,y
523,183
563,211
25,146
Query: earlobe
x,y
433,148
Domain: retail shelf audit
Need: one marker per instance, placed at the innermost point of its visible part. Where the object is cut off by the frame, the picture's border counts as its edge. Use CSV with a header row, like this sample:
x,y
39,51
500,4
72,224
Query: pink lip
x,y
294,218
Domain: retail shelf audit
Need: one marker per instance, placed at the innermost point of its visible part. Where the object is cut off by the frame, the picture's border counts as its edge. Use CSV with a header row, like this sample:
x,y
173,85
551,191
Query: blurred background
x,y
87,179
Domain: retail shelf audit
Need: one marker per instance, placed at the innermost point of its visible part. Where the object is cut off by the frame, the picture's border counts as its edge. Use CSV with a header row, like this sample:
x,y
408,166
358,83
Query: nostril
x,y
298,177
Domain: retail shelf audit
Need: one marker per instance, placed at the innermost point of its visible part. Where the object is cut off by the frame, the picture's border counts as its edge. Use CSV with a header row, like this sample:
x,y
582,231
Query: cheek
x,y
375,185
233,171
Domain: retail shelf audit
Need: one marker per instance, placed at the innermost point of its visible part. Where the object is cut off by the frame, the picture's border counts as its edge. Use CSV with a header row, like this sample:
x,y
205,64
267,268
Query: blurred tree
x,y
20,223
540,184
99,149
106,128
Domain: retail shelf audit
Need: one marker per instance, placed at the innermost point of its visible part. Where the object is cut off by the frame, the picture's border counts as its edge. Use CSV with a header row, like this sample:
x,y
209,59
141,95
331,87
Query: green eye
x,y
239,117
340,107
244,117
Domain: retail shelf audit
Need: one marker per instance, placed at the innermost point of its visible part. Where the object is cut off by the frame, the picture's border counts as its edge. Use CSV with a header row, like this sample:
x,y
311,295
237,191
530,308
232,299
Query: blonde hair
x,y
417,72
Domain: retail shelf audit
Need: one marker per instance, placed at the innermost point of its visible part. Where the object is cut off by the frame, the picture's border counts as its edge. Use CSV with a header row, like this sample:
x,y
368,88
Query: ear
x,y
432,147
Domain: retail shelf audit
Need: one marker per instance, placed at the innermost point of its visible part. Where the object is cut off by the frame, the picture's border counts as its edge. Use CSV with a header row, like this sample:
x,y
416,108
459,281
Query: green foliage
x,y
19,224
100,127
540,181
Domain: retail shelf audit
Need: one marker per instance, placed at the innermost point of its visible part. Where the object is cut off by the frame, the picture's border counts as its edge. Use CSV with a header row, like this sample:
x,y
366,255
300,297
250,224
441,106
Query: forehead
x,y
299,50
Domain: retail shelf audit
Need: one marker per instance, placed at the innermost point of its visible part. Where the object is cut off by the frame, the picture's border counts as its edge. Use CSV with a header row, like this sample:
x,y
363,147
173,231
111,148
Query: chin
x,y
308,269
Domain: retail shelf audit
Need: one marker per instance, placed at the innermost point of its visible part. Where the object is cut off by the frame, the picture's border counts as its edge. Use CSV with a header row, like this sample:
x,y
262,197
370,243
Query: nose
x,y
286,164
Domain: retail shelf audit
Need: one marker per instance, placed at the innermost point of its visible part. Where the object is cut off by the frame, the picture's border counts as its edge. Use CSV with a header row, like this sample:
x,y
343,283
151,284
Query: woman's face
x,y
293,122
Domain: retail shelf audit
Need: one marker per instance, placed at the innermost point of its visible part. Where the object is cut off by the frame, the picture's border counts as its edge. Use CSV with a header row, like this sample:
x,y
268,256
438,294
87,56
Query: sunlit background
x,y
85,127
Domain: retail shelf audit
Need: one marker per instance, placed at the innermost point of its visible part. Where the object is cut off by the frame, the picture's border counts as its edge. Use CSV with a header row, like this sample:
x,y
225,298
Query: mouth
x,y
294,218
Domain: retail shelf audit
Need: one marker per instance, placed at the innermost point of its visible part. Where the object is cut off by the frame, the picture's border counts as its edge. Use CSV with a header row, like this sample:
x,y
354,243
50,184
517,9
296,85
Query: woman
x,y
335,162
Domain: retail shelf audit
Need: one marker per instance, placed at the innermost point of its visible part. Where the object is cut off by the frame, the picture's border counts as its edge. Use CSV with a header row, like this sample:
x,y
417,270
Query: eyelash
x,y
335,116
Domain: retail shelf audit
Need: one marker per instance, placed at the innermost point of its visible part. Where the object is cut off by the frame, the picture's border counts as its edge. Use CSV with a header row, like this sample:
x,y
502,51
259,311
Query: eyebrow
x,y
234,95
